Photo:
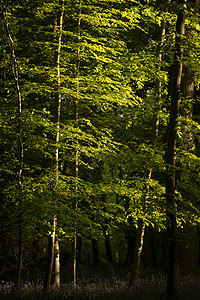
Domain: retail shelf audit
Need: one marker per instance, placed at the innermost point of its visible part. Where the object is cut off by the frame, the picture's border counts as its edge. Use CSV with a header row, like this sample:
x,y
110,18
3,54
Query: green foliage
x,y
117,98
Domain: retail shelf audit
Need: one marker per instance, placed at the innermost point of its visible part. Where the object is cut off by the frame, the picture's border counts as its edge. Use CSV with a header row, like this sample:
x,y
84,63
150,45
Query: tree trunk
x,y
95,251
15,72
130,235
148,250
76,119
20,257
79,249
35,248
53,247
130,248
172,269
108,245
137,253
58,102
141,224
57,264
189,244
50,258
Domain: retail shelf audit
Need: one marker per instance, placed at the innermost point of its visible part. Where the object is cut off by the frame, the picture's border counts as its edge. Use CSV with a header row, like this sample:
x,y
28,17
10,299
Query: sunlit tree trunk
x,y
57,264
53,247
20,135
139,240
172,269
76,117
50,258
58,100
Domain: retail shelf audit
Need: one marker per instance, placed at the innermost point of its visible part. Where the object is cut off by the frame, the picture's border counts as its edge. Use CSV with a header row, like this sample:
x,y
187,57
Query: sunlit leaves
x,y
117,99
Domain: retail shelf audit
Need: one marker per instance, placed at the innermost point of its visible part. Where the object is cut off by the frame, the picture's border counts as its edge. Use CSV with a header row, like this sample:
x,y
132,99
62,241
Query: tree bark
x,y
79,249
95,251
15,72
57,264
50,258
108,245
76,119
53,247
135,271
130,248
58,100
189,244
172,269
35,248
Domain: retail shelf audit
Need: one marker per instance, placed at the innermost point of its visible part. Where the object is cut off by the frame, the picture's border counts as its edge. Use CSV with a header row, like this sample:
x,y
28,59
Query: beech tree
x,y
188,191
15,71
89,141
53,246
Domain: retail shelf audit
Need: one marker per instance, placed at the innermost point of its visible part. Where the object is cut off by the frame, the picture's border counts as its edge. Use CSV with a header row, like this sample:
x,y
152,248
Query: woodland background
x,y
99,144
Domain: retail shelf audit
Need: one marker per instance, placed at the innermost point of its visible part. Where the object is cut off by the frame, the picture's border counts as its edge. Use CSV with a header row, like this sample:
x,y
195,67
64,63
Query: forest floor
x,y
152,288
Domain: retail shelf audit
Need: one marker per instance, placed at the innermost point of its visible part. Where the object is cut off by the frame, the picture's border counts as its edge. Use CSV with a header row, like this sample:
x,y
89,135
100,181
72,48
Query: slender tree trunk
x,y
79,249
188,245
108,245
53,247
147,260
95,251
58,100
130,249
130,234
76,104
57,264
35,248
75,259
172,270
20,256
75,208
20,134
135,271
50,258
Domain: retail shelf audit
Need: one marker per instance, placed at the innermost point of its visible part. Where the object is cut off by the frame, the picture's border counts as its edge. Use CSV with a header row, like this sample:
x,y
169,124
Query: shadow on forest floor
x,y
152,288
